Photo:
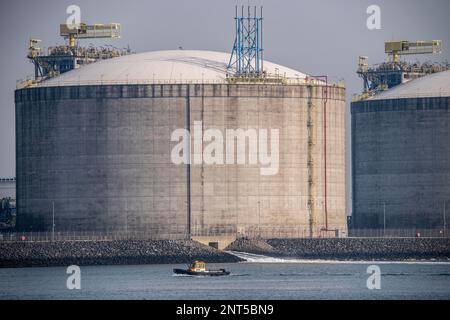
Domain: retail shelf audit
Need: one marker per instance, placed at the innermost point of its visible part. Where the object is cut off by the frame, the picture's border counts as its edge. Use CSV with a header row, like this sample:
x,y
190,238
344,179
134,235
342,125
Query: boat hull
x,y
210,273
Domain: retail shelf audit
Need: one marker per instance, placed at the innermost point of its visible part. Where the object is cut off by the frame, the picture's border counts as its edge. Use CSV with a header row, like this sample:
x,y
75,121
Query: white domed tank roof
x,y
434,85
161,66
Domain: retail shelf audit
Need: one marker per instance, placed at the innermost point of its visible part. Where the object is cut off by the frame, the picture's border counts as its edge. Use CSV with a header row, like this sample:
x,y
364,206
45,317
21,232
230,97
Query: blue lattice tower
x,y
247,56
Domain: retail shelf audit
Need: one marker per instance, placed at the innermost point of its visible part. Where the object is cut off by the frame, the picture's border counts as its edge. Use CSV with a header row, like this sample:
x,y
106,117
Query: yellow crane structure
x,y
63,58
400,48
84,31
389,74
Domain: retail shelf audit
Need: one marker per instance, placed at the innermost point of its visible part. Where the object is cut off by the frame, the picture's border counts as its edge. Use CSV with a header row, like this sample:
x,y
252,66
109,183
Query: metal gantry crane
x,y
394,72
64,58
84,31
395,49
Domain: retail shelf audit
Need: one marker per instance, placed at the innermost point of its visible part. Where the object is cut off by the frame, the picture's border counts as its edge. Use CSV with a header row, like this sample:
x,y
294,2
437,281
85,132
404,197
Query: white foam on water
x,y
258,258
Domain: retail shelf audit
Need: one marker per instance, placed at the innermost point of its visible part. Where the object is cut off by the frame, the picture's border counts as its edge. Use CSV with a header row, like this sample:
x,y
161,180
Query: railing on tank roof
x,y
264,81
364,97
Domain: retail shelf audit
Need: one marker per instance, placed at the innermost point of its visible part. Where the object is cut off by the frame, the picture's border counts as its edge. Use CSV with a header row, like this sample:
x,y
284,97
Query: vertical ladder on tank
x,y
310,165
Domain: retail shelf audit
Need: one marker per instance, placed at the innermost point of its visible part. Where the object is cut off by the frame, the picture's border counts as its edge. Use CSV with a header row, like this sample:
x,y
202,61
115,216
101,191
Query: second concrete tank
x,y
401,156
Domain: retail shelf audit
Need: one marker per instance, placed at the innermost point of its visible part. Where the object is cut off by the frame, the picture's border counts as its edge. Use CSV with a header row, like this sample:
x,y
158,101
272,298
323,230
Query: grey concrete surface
x,y
102,154
401,163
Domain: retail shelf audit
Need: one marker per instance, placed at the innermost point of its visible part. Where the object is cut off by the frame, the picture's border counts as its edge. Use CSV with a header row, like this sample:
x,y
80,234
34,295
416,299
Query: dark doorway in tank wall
x,y
214,245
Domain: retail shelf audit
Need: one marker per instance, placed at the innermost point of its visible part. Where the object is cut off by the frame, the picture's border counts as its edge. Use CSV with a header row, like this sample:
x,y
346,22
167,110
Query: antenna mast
x,y
247,55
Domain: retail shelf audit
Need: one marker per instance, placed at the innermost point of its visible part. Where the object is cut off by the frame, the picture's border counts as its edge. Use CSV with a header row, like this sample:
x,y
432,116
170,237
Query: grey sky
x,y
317,37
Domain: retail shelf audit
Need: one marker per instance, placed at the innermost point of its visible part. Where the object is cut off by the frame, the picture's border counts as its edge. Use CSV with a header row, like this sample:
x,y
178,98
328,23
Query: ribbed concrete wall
x,y
102,153
401,162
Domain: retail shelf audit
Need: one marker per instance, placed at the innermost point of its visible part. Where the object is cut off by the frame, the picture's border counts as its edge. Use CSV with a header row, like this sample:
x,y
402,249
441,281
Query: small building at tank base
x,y
7,188
7,203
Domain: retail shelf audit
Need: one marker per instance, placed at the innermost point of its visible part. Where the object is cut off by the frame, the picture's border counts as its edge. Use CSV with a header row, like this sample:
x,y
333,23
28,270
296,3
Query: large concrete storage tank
x,y
96,142
401,156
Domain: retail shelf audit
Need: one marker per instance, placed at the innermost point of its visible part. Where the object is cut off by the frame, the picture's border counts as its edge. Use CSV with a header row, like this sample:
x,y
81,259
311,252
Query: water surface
x,y
272,279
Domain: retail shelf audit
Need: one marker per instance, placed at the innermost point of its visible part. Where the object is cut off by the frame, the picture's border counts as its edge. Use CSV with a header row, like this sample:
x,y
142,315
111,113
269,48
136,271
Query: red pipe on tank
x,y
325,154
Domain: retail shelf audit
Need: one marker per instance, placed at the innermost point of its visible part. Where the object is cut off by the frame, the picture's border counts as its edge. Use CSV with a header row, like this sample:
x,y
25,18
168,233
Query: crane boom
x,y
399,48
95,31
63,58
393,72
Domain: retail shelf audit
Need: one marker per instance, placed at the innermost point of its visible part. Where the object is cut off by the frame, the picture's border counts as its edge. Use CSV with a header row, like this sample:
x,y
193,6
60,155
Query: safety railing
x,y
250,232
87,236
399,233
265,81
439,94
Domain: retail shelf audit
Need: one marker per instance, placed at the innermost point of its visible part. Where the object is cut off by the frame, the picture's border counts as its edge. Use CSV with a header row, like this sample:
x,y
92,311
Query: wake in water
x,y
258,258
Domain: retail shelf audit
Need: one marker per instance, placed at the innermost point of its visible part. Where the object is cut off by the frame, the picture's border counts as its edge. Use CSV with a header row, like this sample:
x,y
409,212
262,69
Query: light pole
x,y
126,218
259,220
53,221
384,219
445,225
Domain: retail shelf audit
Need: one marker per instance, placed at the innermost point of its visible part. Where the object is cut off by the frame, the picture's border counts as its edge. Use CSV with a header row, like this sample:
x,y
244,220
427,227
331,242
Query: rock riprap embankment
x,y
63,253
348,248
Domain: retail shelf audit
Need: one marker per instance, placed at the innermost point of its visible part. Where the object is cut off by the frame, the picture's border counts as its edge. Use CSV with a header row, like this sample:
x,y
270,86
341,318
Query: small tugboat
x,y
198,268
